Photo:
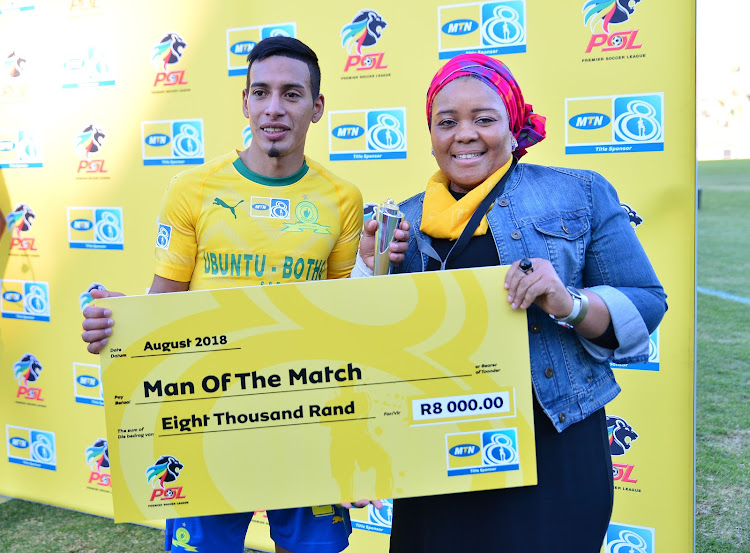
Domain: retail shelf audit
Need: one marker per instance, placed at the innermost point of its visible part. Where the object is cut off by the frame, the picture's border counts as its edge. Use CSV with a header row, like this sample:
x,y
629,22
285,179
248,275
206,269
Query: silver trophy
x,y
388,217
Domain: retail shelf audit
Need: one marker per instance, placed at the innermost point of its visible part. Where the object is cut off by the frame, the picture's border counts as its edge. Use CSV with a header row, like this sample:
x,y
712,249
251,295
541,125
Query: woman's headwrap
x,y
526,126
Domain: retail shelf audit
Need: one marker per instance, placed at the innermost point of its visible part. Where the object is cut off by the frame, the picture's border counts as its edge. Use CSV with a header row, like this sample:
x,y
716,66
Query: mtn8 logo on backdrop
x,y
491,28
367,134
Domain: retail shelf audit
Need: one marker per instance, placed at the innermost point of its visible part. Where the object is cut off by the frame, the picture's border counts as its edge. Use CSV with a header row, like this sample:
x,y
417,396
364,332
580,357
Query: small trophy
x,y
388,217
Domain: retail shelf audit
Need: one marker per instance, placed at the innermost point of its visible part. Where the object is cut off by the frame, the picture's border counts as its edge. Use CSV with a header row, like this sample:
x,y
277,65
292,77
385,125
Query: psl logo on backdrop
x,y
653,362
621,438
31,447
95,228
483,451
241,40
87,384
364,31
626,538
25,299
19,220
12,80
87,143
97,459
172,142
27,371
492,28
378,520
85,298
20,149
164,471
635,219
168,51
615,124
602,14
367,134
88,65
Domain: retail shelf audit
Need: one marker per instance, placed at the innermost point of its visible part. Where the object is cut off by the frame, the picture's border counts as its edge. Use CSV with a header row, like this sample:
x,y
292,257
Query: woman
x,y
590,292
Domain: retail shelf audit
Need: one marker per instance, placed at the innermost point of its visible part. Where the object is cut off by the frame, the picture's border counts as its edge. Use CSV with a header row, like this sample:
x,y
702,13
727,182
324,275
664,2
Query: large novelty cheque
x,y
314,393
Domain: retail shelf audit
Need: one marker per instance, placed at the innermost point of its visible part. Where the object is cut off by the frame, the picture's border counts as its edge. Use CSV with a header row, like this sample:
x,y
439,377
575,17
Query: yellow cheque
x,y
314,393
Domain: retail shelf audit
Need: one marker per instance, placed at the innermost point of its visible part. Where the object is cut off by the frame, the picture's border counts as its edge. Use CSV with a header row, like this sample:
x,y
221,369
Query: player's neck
x,y
274,167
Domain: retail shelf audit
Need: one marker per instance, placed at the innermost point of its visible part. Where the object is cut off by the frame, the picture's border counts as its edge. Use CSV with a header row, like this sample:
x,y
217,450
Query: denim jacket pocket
x,y
564,236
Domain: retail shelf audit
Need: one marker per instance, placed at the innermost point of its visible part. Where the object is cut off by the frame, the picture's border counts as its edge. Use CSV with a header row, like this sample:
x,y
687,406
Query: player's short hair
x,y
290,48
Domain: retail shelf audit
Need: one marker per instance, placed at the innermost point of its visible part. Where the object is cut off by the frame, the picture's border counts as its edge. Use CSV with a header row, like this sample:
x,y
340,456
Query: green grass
x,y
723,401
723,342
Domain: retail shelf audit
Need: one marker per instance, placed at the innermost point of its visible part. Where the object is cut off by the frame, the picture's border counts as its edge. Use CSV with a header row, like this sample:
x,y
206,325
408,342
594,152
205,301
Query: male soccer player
x,y
265,215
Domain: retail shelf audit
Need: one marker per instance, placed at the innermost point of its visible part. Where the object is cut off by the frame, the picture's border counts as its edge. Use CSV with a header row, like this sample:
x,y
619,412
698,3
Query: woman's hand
x,y
398,247
362,503
540,285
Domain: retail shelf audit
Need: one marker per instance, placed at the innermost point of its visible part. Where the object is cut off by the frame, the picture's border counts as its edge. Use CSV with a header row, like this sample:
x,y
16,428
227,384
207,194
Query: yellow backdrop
x,y
101,102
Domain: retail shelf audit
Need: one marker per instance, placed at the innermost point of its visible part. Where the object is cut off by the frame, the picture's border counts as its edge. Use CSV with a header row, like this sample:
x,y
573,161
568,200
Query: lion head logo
x,y
89,141
97,455
607,11
364,30
27,369
14,65
621,435
168,51
165,470
20,219
635,219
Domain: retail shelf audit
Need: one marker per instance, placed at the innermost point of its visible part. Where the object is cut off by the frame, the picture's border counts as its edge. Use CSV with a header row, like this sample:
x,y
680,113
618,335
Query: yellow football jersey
x,y
222,225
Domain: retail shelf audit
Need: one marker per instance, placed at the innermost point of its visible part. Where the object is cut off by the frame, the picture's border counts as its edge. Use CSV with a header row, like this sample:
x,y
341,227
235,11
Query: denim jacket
x,y
574,219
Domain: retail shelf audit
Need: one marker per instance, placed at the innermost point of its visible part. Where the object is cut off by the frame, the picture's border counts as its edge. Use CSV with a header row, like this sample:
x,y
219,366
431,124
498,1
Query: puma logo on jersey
x,y
222,203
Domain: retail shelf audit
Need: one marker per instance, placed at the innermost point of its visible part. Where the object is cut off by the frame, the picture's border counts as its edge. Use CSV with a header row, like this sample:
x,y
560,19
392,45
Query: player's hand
x,y
397,248
362,503
98,322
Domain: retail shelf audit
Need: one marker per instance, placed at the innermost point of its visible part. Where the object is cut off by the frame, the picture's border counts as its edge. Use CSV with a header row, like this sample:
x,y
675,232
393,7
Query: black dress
x,y
568,511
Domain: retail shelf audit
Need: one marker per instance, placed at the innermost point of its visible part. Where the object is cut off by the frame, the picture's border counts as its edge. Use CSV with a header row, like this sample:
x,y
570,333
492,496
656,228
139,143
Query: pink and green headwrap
x,y
525,125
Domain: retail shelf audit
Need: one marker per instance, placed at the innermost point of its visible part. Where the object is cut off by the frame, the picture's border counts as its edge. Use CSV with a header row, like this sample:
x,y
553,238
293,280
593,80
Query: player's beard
x,y
274,151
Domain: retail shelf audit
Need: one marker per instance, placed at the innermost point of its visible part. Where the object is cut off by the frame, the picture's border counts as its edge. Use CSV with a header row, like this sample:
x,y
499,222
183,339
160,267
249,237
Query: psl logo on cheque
x,y
95,228
31,447
652,364
172,142
626,538
164,471
13,77
241,40
97,458
20,149
615,124
27,371
606,13
367,134
491,28
88,66
25,299
20,220
483,451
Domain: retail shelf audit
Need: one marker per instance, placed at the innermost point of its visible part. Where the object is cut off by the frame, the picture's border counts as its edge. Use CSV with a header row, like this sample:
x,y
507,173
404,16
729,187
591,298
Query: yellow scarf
x,y
444,217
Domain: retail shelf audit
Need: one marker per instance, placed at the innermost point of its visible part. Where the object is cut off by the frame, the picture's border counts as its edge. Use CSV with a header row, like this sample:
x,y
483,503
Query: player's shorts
x,y
321,529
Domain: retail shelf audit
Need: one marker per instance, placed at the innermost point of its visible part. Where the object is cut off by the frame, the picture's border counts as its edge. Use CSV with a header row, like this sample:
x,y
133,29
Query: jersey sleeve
x,y
176,242
341,260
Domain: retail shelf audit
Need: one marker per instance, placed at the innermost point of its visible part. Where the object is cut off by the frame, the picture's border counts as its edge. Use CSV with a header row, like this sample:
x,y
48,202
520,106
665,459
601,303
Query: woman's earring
x,y
513,143
432,151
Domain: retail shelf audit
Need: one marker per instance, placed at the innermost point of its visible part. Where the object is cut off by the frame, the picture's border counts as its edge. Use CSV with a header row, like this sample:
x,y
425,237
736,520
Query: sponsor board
x,y
241,40
615,124
367,134
491,28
